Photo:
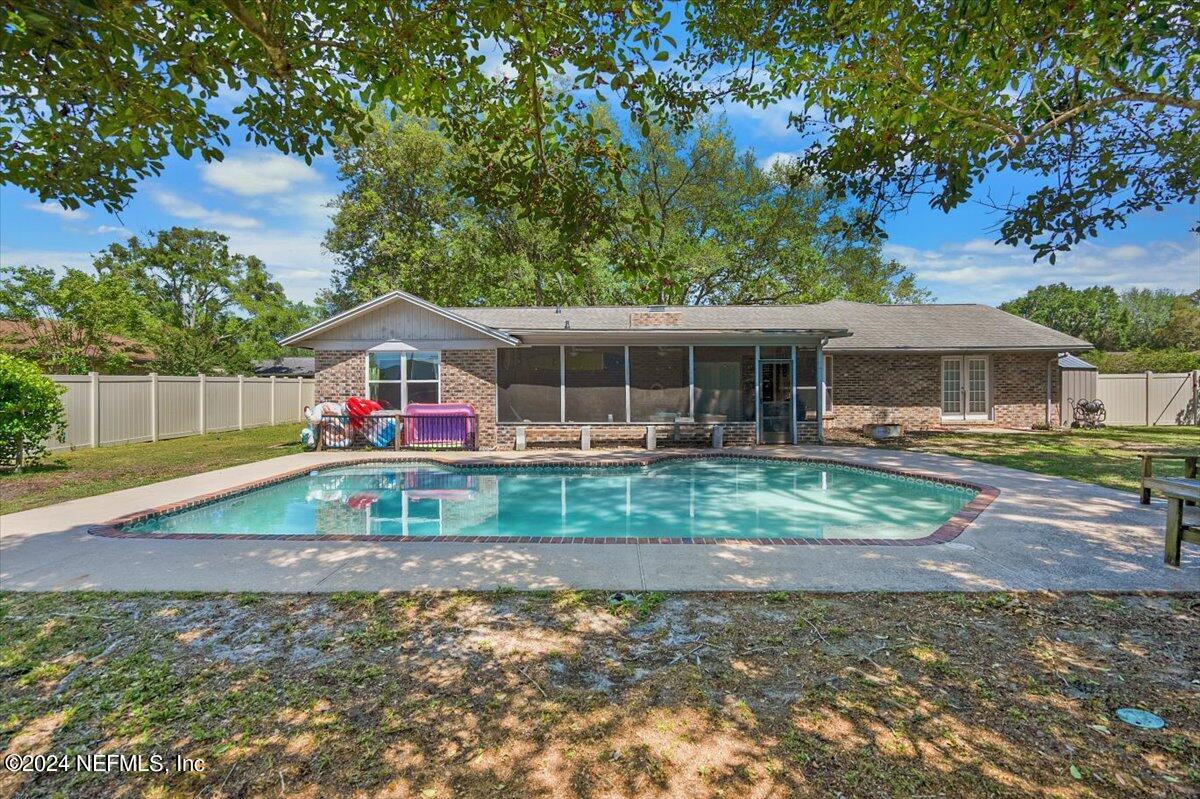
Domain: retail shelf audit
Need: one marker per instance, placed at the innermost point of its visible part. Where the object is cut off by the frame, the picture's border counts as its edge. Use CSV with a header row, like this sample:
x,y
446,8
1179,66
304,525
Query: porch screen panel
x,y
595,384
724,384
658,383
527,384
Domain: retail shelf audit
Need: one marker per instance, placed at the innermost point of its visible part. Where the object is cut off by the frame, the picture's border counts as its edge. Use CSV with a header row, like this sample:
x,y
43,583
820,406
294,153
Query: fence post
x,y
272,399
1196,396
1149,379
241,391
299,399
200,383
154,406
94,411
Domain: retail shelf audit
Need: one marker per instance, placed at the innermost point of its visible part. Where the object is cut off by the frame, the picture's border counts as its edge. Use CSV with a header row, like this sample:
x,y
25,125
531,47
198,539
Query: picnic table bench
x,y
1148,458
1177,490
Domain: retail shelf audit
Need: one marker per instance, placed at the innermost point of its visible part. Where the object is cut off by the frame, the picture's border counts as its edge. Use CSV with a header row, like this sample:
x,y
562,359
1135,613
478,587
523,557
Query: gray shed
x,y
1078,382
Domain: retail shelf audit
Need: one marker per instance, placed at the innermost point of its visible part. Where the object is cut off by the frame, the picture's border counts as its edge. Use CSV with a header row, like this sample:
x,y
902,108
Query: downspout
x,y
1050,388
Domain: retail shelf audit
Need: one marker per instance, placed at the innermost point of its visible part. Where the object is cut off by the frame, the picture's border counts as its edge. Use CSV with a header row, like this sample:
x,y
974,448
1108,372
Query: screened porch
x,y
773,389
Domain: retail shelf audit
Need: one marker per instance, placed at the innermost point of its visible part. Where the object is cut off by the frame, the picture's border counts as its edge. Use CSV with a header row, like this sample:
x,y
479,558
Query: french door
x,y
966,388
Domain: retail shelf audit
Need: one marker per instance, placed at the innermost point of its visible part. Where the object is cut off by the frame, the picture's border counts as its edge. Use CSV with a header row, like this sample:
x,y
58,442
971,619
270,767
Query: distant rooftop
x,y
286,367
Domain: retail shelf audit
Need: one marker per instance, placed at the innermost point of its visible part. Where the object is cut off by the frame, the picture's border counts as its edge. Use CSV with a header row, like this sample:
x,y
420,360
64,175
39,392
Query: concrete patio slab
x,y
1040,533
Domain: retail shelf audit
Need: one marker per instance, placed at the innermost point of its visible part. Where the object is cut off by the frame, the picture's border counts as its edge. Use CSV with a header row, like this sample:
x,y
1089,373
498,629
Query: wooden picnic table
x,y
1177,490
1148,458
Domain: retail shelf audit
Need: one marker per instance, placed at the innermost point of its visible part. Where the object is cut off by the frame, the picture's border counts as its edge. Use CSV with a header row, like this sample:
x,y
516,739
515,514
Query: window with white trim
x,y
399,379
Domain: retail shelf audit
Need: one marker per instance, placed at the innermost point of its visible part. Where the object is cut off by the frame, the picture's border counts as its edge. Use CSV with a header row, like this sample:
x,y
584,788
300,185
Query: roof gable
x,y
381,318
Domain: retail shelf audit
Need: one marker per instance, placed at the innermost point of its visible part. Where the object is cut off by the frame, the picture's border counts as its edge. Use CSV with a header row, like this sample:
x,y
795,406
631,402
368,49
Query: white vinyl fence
x,y
119,409
1150,398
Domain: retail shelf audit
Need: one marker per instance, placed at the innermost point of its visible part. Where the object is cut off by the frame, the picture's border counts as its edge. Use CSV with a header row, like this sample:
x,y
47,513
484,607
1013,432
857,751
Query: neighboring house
x,y
25,338
757,370
286,367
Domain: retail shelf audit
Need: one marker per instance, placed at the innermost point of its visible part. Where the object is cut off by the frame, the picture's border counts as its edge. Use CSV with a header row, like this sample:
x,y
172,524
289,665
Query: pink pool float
x,y
452,424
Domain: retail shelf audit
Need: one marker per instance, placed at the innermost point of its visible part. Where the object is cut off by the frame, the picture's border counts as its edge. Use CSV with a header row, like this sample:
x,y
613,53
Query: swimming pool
x,y
690,499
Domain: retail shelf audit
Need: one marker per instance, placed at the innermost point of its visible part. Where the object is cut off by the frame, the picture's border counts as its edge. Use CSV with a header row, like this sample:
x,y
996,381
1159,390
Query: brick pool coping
x,y
950,529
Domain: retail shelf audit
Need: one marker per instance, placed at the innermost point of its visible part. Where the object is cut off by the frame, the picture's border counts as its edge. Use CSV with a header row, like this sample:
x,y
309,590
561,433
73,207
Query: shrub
x,y
31,411
1144,360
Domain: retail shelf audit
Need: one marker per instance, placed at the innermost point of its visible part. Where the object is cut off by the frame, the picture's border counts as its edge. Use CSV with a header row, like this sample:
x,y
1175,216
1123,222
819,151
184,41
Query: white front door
x,y
966,388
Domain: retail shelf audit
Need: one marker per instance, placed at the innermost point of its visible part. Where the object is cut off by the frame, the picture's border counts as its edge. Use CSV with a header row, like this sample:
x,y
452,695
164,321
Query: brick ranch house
x,y
768,374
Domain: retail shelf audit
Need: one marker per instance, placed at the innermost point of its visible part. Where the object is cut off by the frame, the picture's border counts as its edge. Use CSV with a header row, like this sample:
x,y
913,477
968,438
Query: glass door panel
x,y
977,388
952,400
776,381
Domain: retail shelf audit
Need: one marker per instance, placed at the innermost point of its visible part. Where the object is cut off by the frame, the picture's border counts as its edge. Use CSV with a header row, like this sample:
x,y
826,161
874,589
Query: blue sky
x,y
274,206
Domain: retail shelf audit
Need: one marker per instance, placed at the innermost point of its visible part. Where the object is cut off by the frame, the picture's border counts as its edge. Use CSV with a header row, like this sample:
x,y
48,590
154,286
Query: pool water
x,y
691,498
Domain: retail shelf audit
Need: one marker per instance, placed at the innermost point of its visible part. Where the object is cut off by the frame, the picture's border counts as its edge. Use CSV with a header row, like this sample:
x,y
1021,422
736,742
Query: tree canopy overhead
x,y
97,94
1097,104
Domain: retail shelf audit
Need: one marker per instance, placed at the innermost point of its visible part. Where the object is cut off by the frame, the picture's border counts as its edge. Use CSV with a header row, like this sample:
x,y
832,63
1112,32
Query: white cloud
x,y
53,258
772,121
69,214
313,207
782,159
494,65
186,209
258,174
295,257
980,270
100,230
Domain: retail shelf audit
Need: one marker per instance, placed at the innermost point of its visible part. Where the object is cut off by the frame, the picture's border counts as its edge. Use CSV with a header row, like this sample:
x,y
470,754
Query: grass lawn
x,y
87,472
1105,457
484,696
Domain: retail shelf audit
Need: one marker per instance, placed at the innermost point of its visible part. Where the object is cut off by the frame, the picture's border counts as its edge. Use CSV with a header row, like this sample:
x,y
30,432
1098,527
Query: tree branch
x,y
256,27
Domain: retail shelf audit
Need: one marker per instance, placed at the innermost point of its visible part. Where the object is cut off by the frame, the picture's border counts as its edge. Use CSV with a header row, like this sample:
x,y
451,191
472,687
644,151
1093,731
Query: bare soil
x,y
576,694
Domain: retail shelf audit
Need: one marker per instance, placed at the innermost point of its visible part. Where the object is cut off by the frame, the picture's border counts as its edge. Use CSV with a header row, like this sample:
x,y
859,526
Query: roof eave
x,y
977,348
700,331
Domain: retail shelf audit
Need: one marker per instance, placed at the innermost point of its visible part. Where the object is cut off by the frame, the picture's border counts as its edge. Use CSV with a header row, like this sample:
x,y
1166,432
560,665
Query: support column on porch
x,y
821,391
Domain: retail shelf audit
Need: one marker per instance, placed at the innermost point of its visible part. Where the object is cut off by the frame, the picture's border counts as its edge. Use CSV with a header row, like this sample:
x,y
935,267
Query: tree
x,y
204,308
1182,329
1149,313
710,225
401,223
693,221
97,95
1096,103
31,412
71,324
1095,314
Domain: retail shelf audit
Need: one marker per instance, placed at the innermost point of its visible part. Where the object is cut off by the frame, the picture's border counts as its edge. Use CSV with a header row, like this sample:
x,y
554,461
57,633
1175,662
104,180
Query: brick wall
x,y
898,388
340,374
906,388
655,319
1019,389
470,376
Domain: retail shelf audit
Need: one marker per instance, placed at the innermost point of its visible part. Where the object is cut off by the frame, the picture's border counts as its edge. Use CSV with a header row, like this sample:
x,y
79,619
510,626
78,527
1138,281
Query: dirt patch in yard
x,y
582,694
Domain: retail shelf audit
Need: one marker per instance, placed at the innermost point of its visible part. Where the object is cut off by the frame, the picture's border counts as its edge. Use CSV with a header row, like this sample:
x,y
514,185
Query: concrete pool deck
x,y
1040,533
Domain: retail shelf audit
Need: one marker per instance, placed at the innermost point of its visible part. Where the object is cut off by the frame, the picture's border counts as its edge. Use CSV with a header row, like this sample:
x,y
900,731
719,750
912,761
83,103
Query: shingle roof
x,y
1072,362
287,366
874,327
